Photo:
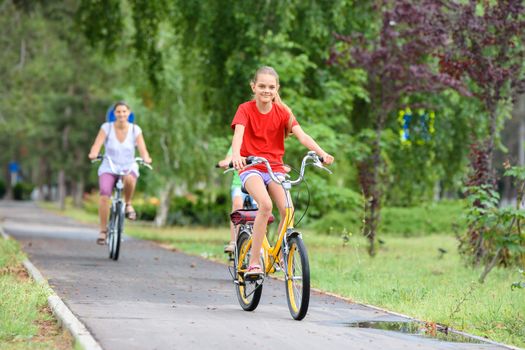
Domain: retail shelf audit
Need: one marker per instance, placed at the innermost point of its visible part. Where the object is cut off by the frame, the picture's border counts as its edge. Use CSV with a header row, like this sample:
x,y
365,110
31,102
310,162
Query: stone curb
x,y
66,318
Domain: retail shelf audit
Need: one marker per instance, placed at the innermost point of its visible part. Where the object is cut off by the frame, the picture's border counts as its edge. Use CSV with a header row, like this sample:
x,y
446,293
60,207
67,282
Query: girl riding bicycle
x,y
260,127
119,139
238,198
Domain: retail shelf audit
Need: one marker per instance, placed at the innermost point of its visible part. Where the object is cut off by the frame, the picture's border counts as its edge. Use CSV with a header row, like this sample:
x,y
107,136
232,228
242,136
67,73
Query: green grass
x,y
22,306
408,275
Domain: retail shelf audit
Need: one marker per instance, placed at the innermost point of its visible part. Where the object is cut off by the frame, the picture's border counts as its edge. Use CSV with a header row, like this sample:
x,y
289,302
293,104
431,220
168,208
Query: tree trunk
x,y
164,205
78,188
62,189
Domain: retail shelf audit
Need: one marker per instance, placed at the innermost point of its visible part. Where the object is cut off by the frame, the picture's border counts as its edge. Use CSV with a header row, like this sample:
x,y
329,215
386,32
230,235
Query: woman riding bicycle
x,y
119,139
260,127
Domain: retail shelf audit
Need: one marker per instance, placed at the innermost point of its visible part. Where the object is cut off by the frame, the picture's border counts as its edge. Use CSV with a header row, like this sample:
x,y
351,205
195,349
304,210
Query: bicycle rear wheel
x,y
248,292
297,278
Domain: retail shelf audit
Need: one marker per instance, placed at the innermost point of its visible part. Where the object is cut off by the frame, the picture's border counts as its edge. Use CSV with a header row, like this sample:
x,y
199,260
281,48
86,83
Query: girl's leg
x,y
279,197
255,186
236,204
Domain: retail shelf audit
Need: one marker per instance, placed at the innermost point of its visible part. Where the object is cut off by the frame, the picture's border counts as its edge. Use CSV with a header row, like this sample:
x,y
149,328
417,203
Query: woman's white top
x,y
122,154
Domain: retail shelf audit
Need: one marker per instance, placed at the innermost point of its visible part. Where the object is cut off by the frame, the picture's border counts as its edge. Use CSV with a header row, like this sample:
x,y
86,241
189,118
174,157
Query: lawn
x,y
409,275
26,321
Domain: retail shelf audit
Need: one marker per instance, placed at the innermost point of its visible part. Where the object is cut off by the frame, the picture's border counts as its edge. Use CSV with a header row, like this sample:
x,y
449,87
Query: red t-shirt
x,y
263,133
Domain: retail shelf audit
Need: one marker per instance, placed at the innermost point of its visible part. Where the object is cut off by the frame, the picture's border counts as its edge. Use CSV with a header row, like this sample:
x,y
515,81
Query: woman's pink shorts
x,y
106,182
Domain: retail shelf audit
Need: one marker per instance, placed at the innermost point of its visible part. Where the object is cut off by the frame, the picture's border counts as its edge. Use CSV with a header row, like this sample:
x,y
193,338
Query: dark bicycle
x,y
115,227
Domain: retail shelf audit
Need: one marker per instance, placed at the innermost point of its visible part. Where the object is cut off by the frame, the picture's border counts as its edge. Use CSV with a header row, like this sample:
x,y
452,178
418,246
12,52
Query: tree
x,y
487,50
396,63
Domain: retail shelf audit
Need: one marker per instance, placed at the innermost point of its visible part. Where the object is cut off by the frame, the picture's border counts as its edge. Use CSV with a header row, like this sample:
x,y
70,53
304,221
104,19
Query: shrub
x,y
336,222
2,188
22,191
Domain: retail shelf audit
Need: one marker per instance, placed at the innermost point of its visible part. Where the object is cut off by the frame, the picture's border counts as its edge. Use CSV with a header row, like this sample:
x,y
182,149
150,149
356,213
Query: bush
x,y
2,188
22,191
198,209
336,223
442,217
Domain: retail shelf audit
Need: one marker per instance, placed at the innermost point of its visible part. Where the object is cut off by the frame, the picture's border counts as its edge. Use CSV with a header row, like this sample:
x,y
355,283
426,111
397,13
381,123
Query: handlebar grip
x,y
217,165
249,161
321,159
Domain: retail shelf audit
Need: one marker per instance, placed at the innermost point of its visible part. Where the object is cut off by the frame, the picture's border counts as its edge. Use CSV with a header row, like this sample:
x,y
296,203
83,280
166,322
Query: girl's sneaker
x,y
230,248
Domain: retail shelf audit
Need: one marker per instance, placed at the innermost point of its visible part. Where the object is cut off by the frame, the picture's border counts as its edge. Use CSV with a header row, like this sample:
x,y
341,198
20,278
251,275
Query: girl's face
x,y
121,113
265,88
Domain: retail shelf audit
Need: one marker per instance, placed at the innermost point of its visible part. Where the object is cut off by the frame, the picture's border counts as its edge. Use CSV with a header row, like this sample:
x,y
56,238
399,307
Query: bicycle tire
x,y
297,278
119,226
248,293
111,230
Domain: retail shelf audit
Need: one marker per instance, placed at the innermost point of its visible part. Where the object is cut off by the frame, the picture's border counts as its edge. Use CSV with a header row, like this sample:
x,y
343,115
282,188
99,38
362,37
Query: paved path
x,y
153,298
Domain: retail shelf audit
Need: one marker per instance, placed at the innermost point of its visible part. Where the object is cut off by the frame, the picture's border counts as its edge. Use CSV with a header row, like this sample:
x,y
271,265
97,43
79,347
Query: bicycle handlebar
x,y
139,160
316,161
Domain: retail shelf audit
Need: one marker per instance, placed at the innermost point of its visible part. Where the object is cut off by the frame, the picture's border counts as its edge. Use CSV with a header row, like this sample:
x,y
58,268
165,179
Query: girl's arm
x,y
238,161
97,145
141,145
309,143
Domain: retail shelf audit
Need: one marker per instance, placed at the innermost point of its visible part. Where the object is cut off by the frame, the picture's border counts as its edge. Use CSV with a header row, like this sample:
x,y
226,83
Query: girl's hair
x,y
121,103
269,70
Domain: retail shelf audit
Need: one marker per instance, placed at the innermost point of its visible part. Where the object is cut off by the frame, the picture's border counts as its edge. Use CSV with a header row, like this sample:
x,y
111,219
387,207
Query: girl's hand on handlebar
x,y
238,162
92,156
147,160
328,159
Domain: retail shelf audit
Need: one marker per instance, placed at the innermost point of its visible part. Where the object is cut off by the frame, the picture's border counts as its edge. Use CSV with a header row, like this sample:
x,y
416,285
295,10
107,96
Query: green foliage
x,y
498,230
2,188
520,284
22,191
199,209
444,217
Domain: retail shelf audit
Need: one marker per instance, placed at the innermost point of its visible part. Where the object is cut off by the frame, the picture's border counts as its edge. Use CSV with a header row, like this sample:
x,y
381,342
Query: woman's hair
x,y
270,71
121,103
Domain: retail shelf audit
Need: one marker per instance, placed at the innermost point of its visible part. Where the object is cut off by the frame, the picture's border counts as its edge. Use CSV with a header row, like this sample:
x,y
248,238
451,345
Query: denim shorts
x,y
264,176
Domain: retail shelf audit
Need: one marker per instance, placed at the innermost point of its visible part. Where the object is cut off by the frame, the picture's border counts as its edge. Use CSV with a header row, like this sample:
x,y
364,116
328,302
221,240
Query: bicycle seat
x,y
246,216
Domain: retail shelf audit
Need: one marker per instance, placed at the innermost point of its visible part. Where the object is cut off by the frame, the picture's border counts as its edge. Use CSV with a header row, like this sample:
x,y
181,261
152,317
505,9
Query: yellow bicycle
x,y
289,252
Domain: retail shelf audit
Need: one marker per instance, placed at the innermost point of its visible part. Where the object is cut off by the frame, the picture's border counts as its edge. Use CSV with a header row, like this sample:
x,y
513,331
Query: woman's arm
x,y
238,161
310,143
97,145
141,145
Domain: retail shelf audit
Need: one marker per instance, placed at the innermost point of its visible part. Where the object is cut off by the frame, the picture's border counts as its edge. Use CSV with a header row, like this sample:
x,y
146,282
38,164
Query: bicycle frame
x,y
271,253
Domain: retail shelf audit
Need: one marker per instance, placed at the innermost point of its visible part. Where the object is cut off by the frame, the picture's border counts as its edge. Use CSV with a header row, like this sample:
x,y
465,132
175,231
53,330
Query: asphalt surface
x,y
154,298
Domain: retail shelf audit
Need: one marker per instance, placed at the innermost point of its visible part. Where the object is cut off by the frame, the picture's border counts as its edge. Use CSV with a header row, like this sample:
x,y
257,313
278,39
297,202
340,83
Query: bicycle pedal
x,y
254,278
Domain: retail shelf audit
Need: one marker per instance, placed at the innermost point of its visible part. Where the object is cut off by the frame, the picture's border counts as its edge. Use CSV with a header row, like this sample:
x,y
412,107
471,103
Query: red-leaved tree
x,y
486,51
398,63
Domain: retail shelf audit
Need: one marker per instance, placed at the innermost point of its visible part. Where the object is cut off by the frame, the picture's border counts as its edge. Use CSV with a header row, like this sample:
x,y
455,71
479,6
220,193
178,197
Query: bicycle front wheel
x,y
116,234
248,292
297,278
